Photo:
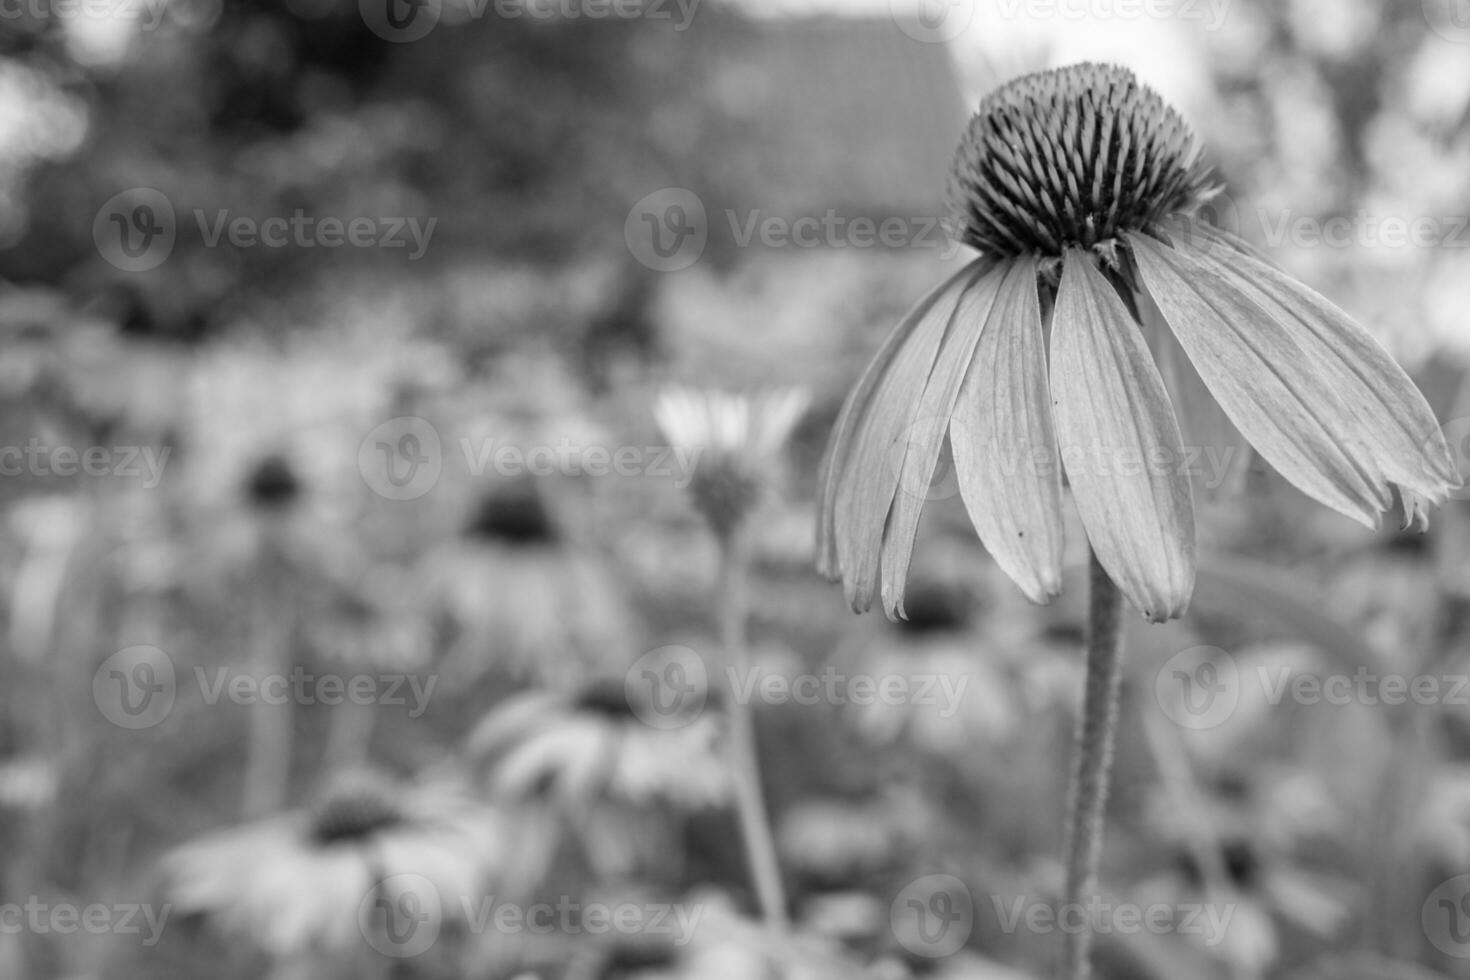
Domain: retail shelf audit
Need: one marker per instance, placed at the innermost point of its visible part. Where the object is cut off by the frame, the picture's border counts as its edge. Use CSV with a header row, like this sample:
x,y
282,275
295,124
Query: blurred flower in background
x,y
516,595
295,885
615,784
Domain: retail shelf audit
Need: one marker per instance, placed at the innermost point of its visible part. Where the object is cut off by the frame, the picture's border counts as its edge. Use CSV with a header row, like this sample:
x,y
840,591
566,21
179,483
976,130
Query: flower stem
x,y
744,762
1093,755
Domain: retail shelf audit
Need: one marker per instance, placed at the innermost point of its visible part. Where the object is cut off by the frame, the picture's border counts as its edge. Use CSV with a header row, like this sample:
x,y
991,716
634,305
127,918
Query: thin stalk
x,y
1093,760
270,738
743,760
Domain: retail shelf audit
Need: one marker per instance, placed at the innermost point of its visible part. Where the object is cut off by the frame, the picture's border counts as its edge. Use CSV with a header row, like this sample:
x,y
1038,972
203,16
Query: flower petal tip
x,y
1042,592
1416,510
1163,612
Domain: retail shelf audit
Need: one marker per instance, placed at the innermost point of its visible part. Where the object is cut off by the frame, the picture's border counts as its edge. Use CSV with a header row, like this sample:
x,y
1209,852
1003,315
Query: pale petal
x,y
1005,449
1262,378
1406,446
854,410
921,444
866,481
1216,455
1120,444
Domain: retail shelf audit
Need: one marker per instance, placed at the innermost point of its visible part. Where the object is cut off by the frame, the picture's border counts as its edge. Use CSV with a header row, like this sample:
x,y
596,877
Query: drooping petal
x,y
1216,455
854,409
1262,377
1120,444
868,479
918,451
1005,449
1392,419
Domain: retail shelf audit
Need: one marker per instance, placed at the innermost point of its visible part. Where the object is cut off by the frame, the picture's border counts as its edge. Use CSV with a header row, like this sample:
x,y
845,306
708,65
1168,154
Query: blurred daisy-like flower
x,y
932,689
612,779
719,942
737,440
1098,308
517,594
296,884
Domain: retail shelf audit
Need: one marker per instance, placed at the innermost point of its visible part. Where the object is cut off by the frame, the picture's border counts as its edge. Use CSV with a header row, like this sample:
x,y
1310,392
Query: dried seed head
x,y
1072,157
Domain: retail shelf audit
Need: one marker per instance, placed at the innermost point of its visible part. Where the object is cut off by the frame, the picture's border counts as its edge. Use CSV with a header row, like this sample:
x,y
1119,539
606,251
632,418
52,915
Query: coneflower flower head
x,y
735,442
1097,304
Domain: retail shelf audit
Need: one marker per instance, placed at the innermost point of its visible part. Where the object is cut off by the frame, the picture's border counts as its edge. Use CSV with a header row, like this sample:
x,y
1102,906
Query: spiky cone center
x,y
1072,157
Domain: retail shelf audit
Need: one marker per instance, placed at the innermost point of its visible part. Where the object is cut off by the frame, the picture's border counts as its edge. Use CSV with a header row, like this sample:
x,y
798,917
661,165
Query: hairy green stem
x,y
744,762
1093,760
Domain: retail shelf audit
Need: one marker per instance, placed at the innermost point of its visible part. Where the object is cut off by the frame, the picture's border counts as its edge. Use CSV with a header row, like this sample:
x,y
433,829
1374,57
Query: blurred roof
x,y
856,114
